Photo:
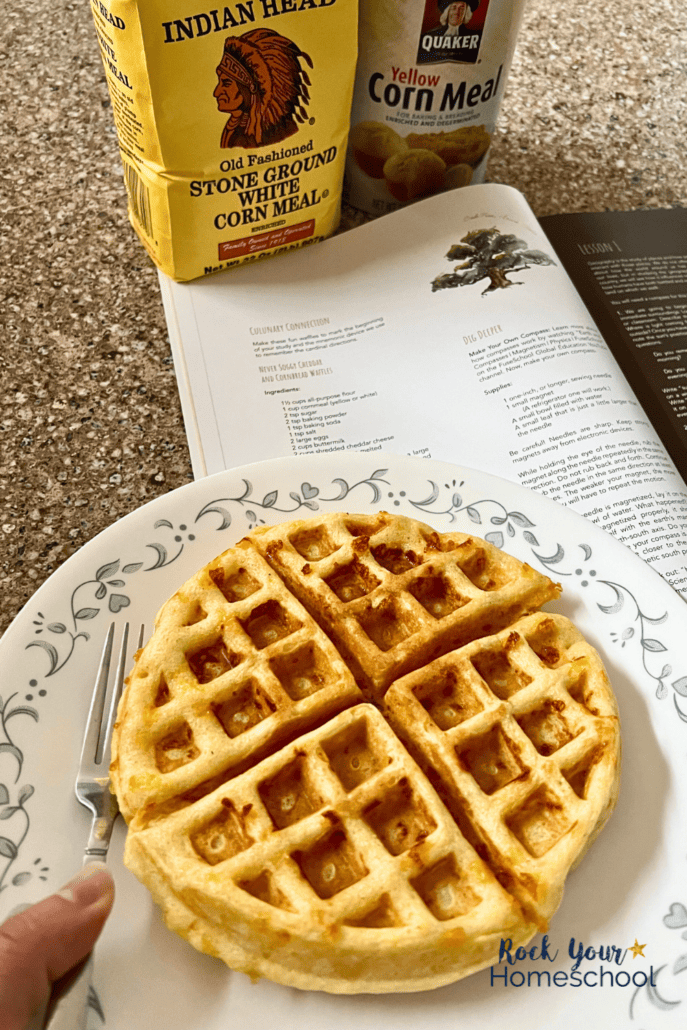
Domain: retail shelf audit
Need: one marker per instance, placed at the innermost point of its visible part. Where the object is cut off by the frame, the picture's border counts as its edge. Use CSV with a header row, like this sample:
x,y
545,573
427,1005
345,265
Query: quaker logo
x,y
263,87
451,31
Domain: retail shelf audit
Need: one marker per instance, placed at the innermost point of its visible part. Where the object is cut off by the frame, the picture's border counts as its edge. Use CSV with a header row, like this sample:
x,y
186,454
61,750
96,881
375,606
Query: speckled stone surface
x,y
90,421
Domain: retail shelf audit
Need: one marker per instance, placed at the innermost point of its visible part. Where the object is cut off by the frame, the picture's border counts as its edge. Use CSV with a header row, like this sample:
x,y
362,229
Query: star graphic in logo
x,y
637,949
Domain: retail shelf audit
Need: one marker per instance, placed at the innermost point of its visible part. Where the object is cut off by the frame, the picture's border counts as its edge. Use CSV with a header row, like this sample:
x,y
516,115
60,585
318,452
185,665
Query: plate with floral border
x,y
616,950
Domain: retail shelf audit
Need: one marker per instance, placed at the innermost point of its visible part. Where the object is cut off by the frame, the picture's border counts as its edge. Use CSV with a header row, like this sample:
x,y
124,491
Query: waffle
x,y
366,878
393,594
234,669
354,756
519,732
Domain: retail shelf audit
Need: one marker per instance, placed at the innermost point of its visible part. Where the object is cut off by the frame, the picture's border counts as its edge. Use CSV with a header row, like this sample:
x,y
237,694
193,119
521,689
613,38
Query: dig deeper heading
x,y
605,974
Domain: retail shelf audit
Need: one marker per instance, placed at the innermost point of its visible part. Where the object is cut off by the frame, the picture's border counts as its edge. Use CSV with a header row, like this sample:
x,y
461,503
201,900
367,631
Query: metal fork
x,y
68,1009
93,779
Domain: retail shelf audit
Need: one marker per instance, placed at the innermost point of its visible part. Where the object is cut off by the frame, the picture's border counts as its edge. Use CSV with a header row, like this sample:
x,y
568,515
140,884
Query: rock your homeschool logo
x,y
600,966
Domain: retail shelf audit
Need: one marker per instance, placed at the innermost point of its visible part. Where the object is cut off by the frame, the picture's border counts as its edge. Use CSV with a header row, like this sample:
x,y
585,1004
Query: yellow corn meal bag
x,y
232,123
429,83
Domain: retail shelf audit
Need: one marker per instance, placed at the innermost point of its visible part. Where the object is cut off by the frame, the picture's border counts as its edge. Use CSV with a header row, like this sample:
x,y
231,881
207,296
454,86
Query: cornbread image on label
x,y
232,123
355,755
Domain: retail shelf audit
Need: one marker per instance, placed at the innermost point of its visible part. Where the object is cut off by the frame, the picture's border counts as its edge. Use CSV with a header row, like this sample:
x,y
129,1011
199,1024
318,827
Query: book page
x,y
630,268
446,330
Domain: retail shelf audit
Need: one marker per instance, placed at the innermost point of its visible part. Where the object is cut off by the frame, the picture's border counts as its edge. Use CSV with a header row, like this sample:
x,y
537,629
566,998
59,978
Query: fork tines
x,y
98,729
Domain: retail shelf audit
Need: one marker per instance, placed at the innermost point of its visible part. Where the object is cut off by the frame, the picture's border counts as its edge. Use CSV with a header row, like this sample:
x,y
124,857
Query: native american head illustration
x,y
262,87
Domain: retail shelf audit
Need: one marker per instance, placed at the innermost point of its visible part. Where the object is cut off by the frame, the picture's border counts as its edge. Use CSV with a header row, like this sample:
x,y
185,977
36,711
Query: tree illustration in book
x,y
489,254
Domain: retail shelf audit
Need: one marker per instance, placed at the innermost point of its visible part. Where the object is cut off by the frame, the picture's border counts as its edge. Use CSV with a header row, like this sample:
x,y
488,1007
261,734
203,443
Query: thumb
x,y
45,941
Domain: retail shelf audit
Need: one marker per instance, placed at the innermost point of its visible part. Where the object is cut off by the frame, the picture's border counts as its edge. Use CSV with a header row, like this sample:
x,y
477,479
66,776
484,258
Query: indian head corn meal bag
x,y
232,123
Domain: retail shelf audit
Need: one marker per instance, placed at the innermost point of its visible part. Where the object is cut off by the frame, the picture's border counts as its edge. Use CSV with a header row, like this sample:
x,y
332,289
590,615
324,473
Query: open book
x,y
451,330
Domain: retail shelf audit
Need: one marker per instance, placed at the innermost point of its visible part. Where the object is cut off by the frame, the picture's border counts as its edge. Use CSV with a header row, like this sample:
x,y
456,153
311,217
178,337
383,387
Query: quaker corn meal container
x,y
430,78
232,123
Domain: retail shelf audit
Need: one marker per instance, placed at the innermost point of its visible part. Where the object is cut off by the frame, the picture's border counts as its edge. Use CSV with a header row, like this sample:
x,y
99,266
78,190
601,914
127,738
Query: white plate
x,y
631,886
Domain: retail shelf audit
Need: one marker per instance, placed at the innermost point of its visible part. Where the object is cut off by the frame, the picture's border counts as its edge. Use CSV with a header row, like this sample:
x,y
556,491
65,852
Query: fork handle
x,y
105,811
94,855
68,1010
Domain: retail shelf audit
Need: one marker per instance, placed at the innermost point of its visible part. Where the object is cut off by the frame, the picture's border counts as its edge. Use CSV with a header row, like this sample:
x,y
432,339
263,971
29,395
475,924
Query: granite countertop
x,y
91,423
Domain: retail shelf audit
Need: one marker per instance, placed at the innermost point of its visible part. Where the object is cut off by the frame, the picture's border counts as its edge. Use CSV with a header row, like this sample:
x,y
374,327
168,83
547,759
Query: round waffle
x,y
354,755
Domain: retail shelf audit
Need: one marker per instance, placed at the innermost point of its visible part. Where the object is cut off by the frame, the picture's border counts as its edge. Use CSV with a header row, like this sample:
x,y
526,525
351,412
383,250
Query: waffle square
x,y
354,755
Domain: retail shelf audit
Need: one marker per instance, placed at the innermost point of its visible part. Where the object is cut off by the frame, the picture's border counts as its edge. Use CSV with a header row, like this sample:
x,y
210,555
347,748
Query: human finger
x,y
42,943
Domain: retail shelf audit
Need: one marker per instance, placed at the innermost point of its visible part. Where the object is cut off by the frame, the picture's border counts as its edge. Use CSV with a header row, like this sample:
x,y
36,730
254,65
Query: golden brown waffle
x,y
235,668
393,594
297,832
520,733
334,864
